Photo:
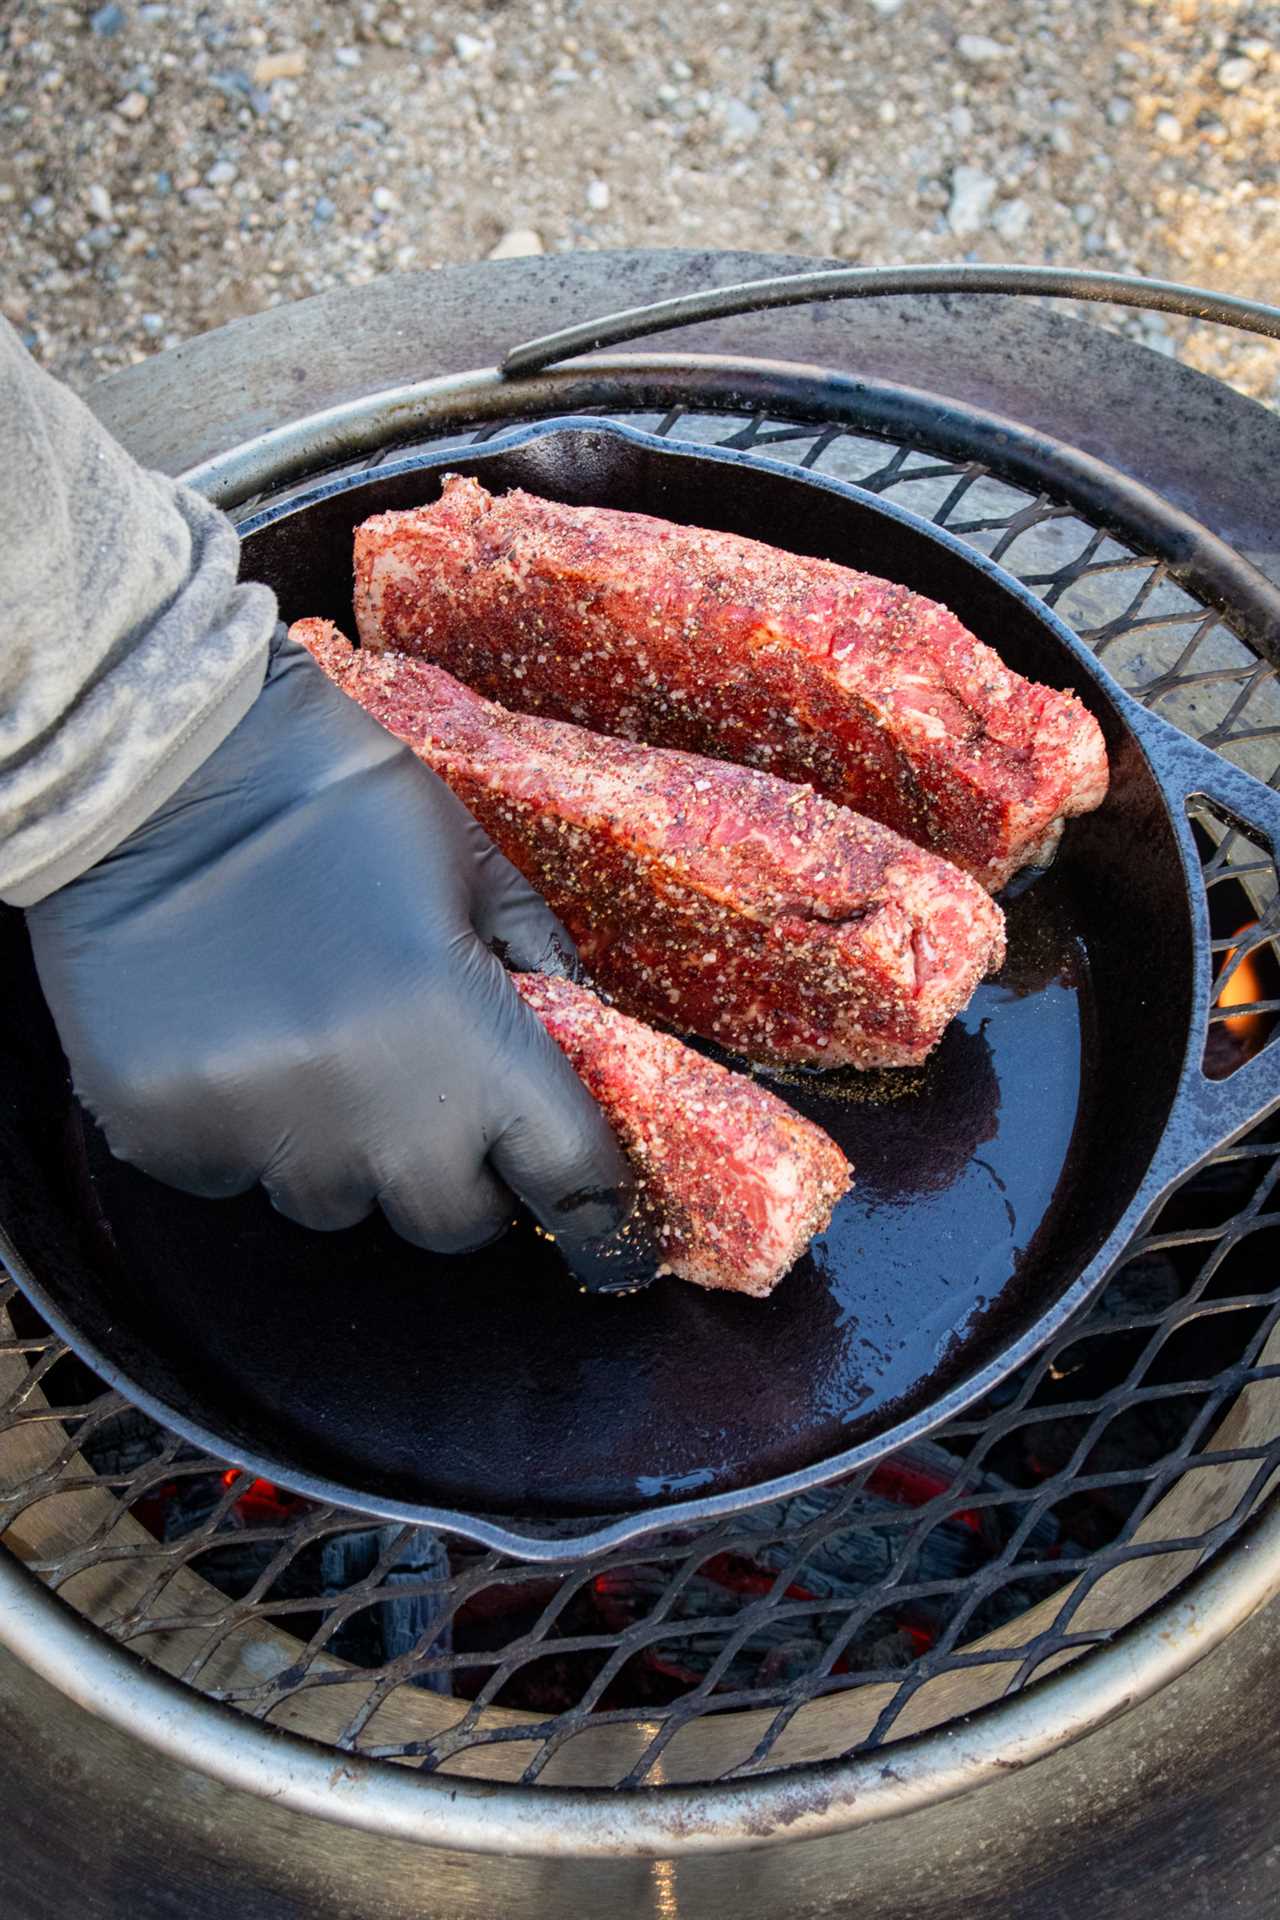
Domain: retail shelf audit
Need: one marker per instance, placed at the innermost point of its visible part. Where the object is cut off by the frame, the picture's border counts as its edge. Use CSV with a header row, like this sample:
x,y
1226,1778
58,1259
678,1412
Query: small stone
x,y
1156,335
107,21
1011,219
598,195
133,106
390,32
288,65
517,244
468,48
153,323
1062,140
323,211
221,174
1168,128
1256,49
233,83
384,200
348,56
886,8
1236,73
98,201
972,193
887,113
980,50
1119,111
961,122
738,122
1083,214
42,206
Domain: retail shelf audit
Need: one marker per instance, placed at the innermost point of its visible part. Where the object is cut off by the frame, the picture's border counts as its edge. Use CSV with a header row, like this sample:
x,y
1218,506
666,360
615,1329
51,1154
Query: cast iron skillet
x,y
995,1188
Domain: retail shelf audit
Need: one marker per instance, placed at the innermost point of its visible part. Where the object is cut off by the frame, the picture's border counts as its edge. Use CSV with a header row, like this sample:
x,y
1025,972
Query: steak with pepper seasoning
x,y
877,697
715,898
734,1184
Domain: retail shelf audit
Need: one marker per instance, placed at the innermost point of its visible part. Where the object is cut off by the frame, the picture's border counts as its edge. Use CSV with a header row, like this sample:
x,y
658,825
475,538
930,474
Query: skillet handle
x,y
1208,1113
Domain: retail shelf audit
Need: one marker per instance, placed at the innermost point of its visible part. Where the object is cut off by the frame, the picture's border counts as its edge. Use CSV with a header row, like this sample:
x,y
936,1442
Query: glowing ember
x,y
1244,989
1239,1036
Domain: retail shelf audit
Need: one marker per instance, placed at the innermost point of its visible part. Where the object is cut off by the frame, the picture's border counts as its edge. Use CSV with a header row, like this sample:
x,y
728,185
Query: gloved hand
x,y
290,974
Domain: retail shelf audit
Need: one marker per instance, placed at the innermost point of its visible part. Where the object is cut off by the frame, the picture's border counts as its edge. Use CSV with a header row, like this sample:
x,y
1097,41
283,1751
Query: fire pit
x,y
1020,1539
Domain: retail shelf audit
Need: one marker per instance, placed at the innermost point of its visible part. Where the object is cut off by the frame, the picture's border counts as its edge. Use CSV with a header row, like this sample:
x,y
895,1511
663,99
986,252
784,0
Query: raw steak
x,y
877,697
717,899
735,1183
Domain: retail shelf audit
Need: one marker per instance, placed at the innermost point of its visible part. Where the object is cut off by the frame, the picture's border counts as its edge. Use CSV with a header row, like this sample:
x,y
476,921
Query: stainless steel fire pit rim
x,y
535,1822
1197,559
1065,1729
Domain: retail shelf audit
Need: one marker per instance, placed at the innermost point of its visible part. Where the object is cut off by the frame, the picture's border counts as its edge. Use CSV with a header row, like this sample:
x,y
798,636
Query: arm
x,y
129,651
266,934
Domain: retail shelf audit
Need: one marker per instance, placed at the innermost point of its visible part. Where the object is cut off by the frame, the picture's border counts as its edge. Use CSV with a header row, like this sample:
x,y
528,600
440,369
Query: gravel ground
x,y
166,167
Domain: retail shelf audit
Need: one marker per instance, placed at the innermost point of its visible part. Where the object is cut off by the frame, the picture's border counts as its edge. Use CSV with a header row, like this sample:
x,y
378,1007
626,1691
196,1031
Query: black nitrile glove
x,y
289,973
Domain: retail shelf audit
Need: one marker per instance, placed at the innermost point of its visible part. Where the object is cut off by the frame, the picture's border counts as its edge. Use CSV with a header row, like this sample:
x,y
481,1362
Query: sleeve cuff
x,y
188,751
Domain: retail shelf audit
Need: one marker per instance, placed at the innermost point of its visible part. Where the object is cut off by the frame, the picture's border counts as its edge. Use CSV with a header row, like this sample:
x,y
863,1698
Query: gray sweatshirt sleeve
x,y
127,650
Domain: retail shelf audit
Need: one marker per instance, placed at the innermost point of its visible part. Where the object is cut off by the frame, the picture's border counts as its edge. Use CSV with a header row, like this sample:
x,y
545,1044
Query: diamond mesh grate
x,y
956,1572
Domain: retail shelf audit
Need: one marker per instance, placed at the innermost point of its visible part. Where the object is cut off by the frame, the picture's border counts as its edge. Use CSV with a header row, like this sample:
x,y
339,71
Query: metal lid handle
x,y
854,283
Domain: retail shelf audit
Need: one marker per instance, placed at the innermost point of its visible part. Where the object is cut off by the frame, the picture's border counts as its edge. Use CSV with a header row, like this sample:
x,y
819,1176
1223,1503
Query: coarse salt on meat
x,y
879,698
714,898
733,1183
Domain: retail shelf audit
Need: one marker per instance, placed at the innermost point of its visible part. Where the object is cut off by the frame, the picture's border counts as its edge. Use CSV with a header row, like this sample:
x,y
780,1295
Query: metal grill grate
x,y
1023,1535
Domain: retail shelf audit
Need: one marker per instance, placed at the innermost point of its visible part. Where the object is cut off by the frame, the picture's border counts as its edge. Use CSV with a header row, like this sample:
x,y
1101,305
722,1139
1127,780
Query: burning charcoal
x,y
232,1563
776,1652
123,1445
852,1561
393,1624
407,1622
1146,1286
856,1552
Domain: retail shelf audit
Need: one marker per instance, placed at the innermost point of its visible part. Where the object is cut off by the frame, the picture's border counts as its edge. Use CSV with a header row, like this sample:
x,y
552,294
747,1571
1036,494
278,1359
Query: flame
x,y
1243,989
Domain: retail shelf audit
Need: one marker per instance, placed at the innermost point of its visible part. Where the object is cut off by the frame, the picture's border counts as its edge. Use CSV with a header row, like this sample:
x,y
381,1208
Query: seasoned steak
x,y
880,699
715,898
735,1183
